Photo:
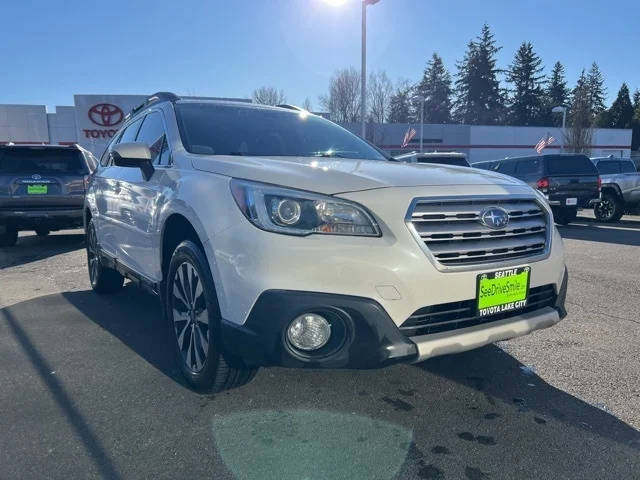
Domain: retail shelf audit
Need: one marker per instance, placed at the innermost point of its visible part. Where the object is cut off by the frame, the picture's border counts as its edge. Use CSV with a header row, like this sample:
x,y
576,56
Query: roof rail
x,y
291,107
156,97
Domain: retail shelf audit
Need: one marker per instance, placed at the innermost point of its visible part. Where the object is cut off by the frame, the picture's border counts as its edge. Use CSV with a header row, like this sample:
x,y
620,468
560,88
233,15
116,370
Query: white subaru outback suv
x,y
275,237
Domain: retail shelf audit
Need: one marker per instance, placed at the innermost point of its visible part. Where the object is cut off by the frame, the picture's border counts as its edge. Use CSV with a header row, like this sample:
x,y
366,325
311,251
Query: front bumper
x,y
369,339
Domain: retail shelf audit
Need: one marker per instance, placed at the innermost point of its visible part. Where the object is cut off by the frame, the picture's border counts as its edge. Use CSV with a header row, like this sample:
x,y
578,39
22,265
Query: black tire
x,y
103,279
9,237
610,209
42,232
564,215
191,307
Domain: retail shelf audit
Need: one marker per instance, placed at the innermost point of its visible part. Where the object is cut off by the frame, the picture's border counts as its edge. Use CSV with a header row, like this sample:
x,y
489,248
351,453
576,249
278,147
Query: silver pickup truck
x,y
620,188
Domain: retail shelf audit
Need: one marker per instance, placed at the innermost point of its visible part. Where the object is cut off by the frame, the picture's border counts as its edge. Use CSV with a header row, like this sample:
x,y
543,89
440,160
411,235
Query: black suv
x,y
569,181
42,188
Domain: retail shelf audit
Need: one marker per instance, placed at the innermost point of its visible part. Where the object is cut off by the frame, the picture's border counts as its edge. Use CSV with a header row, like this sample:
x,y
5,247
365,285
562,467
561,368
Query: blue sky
x,y
51,50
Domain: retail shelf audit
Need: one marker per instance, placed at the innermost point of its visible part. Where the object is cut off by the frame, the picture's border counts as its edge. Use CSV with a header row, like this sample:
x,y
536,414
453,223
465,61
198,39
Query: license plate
x,y
503,291
37,189
572,201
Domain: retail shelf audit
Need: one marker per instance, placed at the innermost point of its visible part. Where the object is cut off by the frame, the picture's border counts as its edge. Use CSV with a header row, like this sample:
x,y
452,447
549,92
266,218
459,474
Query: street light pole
x,y
422,99
363,70
563,110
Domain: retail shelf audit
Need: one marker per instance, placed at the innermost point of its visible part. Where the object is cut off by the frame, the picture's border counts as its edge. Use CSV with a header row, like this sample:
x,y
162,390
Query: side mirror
x,y
133,155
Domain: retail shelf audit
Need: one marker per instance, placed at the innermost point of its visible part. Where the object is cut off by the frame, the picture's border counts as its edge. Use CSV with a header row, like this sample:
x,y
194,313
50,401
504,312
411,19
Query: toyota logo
x,y
105,114
494,218
36,177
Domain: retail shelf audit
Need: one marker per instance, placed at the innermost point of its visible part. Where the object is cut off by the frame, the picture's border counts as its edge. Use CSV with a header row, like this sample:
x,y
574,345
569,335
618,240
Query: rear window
x,y
570,165
47,161
459,161
608,168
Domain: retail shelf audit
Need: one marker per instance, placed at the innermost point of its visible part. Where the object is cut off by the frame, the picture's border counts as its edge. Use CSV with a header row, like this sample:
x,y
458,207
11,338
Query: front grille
x,y
455,315
452,232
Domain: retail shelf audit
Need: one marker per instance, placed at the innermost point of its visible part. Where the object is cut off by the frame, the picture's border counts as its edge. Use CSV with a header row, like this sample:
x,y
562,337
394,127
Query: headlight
x,y
296,212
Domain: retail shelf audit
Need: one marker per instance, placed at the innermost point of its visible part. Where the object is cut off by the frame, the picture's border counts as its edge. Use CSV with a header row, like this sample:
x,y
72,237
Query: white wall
x,y
23,124
62,125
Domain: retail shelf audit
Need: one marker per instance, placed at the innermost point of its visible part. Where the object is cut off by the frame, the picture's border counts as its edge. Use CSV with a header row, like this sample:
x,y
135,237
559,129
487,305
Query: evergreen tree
x,y
556,95
400,104
435,88
479,98
620,115
597,90
635,124
526,105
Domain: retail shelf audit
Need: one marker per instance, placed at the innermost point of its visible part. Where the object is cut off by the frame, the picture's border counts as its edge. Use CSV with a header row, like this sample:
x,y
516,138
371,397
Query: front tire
x,y
191,306
610,209
103,279
9,237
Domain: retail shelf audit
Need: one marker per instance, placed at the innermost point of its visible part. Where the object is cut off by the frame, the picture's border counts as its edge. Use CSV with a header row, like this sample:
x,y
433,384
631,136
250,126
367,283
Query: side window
x,y
508,168
528,167
129,134
627,167
608,167
152,134
105,159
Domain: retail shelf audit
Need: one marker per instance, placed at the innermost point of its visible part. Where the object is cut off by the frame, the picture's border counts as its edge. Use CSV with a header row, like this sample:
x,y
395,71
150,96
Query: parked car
x,y
569,181
42,188
276,237
620,188
443,158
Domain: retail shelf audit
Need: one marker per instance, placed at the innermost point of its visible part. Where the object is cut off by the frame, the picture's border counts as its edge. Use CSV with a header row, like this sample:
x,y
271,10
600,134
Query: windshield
x,y
43,161
570,165
459,161
218,129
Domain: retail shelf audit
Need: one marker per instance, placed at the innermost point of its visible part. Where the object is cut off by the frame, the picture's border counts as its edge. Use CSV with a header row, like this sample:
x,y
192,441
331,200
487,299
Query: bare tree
x,y
269,96
307,104
579,134
379,91
343,100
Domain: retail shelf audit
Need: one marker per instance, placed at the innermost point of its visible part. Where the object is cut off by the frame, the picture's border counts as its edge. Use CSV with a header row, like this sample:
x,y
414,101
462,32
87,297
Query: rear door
x,y
571,177
41,178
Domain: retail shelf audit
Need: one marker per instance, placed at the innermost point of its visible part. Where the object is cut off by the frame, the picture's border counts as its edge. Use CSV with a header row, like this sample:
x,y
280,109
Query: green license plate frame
x,y
502,291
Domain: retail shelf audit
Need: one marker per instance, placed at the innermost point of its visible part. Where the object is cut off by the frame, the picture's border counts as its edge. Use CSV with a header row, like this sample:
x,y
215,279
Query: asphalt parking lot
x,y
88,388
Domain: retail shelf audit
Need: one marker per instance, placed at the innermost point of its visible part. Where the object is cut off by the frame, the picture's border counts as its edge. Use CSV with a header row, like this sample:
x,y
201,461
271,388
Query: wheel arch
x,y
614,189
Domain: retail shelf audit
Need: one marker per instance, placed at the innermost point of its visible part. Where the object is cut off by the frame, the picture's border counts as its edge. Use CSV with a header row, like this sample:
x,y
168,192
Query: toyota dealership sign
x,y
98,118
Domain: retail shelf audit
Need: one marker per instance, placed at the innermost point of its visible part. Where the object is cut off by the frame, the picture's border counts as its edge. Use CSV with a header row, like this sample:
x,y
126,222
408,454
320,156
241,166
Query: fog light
x,y
309,332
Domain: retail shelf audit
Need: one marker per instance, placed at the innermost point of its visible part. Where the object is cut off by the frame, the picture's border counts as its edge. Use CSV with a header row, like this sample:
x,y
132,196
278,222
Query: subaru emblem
x,y
494,218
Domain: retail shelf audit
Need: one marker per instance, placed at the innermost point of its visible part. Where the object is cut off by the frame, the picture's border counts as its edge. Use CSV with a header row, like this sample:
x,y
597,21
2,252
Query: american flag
x,y
411,132
544,143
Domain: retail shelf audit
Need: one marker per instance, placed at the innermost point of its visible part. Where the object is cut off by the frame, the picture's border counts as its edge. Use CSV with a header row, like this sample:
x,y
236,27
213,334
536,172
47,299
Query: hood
x,y
337,175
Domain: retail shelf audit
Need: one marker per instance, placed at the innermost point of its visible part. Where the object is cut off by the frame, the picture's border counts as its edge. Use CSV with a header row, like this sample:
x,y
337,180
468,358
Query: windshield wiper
x,y
329,154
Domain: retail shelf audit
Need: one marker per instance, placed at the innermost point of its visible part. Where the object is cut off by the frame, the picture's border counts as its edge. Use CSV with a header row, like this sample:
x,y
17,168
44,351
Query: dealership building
x,y
93,120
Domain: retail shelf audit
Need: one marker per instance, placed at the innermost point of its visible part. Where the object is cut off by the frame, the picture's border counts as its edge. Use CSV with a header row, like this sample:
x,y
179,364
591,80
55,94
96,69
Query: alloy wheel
x,y
92,255
605,209
190,317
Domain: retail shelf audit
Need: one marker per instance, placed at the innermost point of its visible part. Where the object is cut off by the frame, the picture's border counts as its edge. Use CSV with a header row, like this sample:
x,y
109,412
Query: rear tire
x,y
610,209
103,279
564,215
191,306
42,232
9,237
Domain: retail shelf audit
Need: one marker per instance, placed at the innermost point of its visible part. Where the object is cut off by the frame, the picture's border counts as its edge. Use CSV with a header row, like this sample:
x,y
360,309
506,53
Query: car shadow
x,y
474,415
31,248
624,232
